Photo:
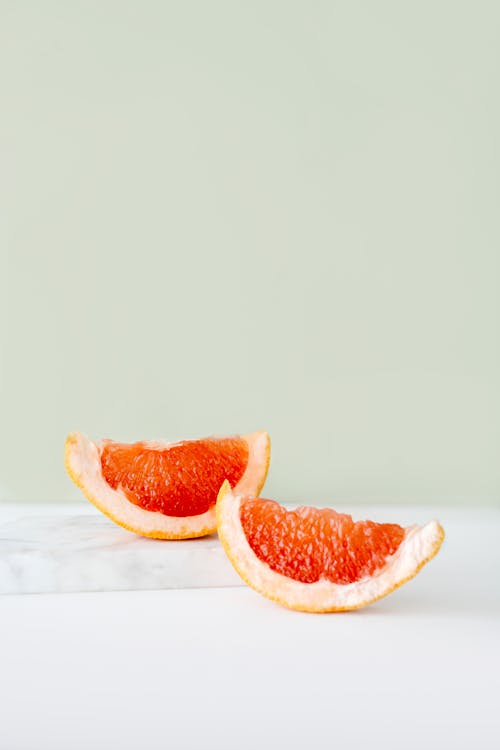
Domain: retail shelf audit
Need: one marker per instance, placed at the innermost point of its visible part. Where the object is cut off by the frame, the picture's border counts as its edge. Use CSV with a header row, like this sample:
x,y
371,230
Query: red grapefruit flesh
x,y
317,560
308,544
165,490
182,480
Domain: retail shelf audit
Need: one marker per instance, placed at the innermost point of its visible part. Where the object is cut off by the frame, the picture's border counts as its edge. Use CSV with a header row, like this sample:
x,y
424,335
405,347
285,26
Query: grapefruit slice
x,y
166,490
317,560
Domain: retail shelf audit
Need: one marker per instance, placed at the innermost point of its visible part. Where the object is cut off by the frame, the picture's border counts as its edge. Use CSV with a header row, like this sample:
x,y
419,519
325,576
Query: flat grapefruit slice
x,y
317,560
166,490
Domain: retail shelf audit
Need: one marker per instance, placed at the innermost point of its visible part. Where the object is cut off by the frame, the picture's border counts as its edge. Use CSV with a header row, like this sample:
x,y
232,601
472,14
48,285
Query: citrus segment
x,y
307,544
182,479
131,483
319,560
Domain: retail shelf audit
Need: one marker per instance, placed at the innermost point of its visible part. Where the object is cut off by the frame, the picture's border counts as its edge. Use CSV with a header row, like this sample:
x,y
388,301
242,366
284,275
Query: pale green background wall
x,y
225,216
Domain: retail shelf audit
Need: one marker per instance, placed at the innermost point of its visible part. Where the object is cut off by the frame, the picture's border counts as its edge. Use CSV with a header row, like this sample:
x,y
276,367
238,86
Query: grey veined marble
x,y
90,553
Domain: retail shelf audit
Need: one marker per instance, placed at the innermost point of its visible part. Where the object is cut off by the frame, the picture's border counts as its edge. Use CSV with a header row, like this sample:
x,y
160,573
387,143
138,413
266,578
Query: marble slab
x,y
49,554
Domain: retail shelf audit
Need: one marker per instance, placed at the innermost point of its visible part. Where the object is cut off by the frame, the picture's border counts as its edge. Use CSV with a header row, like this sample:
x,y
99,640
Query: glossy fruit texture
x,y
310,543
180,480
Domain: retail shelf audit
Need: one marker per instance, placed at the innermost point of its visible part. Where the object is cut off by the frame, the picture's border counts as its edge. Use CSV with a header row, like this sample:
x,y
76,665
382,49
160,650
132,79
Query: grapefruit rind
x,y
421,544
83,464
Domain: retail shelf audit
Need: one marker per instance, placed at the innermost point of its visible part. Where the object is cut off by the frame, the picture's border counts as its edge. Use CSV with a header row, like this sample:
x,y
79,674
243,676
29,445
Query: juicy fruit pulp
x,y
182,479
308,543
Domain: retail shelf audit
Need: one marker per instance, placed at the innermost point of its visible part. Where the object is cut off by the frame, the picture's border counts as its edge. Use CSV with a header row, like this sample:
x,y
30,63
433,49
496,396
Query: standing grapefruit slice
x,y
166,490
317,560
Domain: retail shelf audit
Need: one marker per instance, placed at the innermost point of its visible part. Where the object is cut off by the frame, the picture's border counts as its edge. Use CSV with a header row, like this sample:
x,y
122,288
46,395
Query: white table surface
x,y
228,669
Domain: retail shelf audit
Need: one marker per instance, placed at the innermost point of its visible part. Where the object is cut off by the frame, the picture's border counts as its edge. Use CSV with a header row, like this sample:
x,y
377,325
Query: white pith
x,y
84,462
420,543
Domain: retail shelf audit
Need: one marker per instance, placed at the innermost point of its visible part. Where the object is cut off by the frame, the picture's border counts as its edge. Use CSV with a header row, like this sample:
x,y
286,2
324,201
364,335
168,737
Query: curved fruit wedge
x,y
317,560
166,490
